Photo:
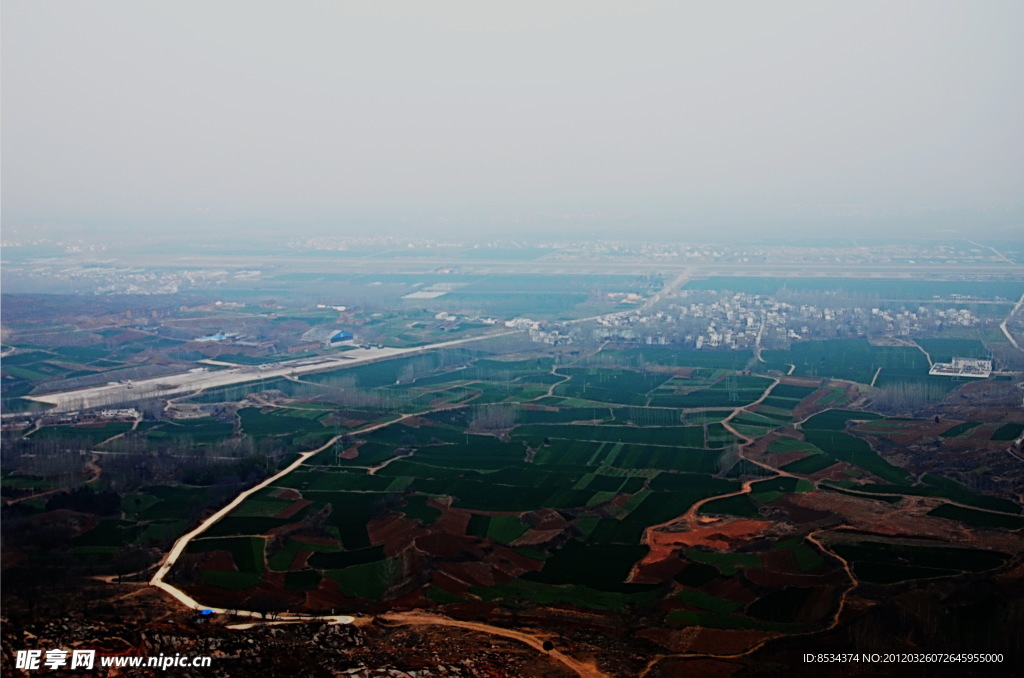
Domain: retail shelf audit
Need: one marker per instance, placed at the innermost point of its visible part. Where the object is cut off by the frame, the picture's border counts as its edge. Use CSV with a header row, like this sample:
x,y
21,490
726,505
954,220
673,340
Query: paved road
x,y
1002,325
188,382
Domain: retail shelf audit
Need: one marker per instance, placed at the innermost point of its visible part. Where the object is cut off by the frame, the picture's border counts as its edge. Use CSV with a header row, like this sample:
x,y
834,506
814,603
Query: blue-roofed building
x,y
326,335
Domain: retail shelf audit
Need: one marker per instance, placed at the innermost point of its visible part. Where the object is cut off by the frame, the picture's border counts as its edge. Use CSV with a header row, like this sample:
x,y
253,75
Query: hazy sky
x,y
669,117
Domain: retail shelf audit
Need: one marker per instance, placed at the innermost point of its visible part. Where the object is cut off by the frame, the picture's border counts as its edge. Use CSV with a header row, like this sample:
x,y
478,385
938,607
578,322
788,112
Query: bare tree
x,y
727,458
492,418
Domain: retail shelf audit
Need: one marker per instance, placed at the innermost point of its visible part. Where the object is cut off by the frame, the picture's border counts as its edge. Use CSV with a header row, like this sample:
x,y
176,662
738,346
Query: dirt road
x,y
585,670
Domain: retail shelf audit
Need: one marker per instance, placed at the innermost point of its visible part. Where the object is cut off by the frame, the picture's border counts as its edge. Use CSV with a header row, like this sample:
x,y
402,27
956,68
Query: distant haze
x,y
643,119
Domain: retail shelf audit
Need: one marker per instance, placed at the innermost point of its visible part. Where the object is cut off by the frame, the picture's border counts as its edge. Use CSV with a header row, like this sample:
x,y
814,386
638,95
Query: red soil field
x,y
394,531
720,534
293,508
218,560
447,545
712,668
299,561
445,581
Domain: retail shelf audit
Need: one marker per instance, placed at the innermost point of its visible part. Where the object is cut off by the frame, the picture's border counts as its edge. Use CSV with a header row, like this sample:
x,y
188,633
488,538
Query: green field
x,y
624,387
1010,431
978,518
835,420
738,505
857,452
91,434
808,465
960,429
518,591
790,391
672,436
204,430
369,580
725,360
247,552
851,359
518,483
703,601
938,486
887,563
625,442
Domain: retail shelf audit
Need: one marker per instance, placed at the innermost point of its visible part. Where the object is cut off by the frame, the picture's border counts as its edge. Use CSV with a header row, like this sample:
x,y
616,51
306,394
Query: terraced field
x,y
593,493
664,489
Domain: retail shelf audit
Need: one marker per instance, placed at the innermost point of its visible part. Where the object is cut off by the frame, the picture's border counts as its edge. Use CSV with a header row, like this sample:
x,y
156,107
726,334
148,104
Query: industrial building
x,y
963,367
326,336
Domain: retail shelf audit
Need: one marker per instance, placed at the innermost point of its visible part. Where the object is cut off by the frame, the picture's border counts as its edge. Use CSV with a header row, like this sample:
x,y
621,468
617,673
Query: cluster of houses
x,y
739,321
16,421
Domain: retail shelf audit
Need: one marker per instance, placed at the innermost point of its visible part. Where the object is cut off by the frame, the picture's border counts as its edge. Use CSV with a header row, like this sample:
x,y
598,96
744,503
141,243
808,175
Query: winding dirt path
x,y
695,523
551,388
179,546
91,466
854,582
921,349
583,669
535,640
832,625
757,339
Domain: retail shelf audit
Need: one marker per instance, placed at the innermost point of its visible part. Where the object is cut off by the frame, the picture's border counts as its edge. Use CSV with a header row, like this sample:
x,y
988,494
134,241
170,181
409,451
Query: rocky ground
x,y
313,649
981,614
